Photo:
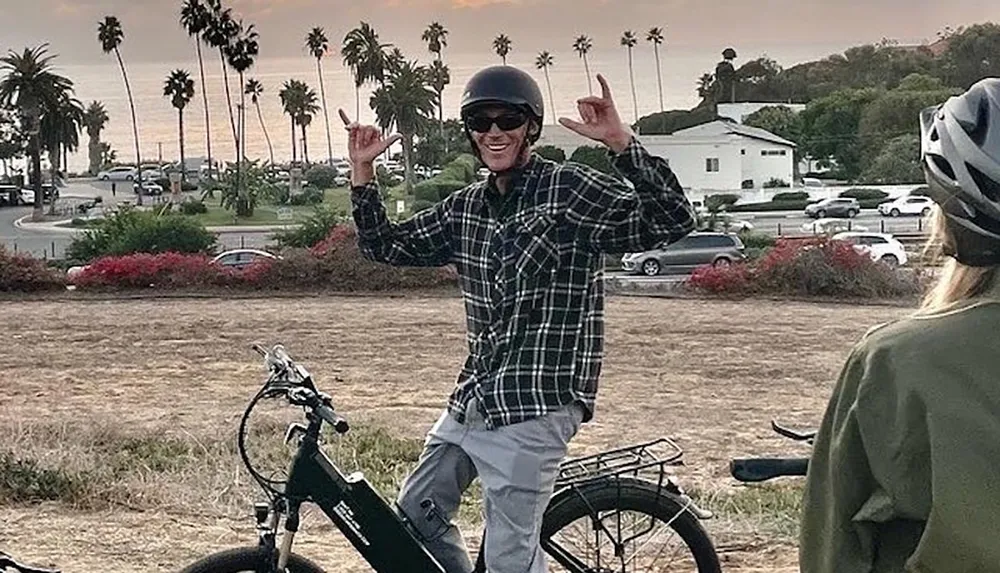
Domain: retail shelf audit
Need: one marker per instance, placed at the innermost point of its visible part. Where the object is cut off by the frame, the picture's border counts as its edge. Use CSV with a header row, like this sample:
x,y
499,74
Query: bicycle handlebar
x,y
763,469
304,393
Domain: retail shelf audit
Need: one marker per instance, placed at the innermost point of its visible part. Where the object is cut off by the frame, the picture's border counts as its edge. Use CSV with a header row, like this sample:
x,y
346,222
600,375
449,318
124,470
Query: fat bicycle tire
x,y
627,494
247,559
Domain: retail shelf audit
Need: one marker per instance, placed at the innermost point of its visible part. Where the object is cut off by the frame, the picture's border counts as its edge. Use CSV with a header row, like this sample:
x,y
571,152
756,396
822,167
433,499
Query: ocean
x,y
158,122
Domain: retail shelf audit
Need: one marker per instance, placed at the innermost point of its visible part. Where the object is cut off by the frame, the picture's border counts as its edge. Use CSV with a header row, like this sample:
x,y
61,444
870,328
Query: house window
x,y
769,152
712,164
743,152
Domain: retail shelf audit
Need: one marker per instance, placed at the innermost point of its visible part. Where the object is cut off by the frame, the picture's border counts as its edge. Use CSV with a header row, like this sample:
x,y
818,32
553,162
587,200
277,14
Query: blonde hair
x,y
958,282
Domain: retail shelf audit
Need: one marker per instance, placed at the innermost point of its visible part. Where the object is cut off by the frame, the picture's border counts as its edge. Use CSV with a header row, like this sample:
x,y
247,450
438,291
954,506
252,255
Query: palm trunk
x,y
444,141
659,74
294,157
408,162
229,99
36,172
204,97
552,100
94,152
357,102
239,150
267,138
586,67
180,128
53,169
326,117
305,147
631,75
135,127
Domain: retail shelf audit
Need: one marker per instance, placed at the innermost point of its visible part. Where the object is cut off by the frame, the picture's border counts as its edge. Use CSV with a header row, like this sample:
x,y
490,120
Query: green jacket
x,y
905,471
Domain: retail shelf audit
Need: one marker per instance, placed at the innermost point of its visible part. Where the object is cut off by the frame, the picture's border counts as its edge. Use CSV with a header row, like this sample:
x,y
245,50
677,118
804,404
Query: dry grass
x,y
139,401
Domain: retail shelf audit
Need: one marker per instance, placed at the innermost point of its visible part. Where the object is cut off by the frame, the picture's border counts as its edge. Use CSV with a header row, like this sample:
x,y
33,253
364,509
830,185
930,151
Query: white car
x,y
907,205
240,258
118,174
881,247
831,225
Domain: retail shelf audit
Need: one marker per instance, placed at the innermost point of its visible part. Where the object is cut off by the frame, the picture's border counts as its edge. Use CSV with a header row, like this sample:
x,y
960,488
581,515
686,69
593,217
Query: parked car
x,y
28,195
907,205
834,207
830,226
122,173
683,256
148,188
881,247
240,258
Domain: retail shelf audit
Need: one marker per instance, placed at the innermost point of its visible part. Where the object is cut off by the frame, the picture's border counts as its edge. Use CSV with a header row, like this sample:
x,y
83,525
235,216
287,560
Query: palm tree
x,y
394,61
307,108
241,55
655,36
30,86
543,62
255,89
583,45
439,77
179,87
436,37
629,41
705,85
365,55
60,133
195,19
406,101
289,102
111,35
501,45
95,118
221,33
319,45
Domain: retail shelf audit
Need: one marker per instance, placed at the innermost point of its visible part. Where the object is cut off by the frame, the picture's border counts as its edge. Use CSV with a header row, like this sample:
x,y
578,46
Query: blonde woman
x,y
905,474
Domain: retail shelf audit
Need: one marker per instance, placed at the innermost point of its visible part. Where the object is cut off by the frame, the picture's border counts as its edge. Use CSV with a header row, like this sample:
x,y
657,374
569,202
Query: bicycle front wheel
x,y
625,525
247,559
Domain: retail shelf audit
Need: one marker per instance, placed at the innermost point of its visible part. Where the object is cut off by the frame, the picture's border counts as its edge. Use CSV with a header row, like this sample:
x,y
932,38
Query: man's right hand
x,y
364,144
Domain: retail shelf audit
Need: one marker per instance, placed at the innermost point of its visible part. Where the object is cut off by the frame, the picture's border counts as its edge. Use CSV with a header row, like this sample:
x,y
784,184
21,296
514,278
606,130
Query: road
x,y
53,243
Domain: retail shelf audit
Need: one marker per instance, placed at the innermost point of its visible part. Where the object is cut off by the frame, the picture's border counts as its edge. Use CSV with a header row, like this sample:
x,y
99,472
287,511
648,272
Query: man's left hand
x,y
601,121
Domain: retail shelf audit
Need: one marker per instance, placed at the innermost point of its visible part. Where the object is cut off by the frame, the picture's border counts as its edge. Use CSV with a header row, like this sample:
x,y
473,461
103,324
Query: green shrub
x,y
309,196
313,230
23,273
132,231
720,202
322,176
552,153
791,196
434,190
769,206
593,156
193,207
862,193
774,182
24,480
757,240
462,169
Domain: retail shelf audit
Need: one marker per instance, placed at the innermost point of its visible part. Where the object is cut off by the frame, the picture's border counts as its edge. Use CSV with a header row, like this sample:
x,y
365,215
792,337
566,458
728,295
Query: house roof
x,y
729,128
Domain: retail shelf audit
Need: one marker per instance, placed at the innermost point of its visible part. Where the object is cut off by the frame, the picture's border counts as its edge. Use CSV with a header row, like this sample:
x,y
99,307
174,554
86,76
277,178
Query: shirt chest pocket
x,y
534,243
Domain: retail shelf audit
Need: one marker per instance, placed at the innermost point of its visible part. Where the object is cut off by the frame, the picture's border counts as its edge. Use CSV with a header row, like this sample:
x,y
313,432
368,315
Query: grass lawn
x,y
266,214
118,420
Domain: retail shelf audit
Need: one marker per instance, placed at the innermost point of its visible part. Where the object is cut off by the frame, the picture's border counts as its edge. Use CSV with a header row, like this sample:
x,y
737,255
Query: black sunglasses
x,y
481,123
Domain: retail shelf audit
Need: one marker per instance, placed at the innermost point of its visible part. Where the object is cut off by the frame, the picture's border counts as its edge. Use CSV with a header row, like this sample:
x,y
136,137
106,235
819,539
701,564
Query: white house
x,y
716,156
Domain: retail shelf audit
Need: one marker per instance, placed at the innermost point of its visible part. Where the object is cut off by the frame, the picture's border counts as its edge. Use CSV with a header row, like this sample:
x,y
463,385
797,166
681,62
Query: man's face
x,y
499,134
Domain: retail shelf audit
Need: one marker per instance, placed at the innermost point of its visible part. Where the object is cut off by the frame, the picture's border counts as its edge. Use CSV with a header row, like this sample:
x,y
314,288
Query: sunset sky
x,y
533,25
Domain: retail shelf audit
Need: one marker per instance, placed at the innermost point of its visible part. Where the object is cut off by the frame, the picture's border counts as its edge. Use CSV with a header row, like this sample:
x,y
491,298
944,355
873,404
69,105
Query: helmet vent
x,y
943,166
977,133
986,185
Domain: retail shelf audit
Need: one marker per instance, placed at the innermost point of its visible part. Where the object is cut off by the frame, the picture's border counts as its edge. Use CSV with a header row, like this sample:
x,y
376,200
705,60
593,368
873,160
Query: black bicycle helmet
x,y
960,154
505,85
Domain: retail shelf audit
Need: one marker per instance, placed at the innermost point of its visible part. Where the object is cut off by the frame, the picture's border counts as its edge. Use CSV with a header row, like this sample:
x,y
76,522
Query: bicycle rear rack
x,y
649,458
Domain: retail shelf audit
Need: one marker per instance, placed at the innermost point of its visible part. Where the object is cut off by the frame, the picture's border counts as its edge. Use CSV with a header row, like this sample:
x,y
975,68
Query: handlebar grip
x,y
327,414
763,469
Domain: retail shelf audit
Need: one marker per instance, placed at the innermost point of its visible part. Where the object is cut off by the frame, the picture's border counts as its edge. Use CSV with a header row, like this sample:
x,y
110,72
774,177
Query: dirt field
x,y
77,375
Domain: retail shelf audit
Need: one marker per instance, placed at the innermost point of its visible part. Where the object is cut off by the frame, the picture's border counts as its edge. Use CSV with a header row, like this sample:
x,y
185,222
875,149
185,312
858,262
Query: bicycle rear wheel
x,y
613,527
247,559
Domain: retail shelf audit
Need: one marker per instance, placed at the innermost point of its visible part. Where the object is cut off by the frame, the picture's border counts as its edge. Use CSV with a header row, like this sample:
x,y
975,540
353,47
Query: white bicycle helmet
x,y
960,154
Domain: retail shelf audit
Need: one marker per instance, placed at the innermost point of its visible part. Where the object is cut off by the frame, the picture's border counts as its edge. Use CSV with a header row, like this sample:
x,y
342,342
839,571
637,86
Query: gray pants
x,y
517,466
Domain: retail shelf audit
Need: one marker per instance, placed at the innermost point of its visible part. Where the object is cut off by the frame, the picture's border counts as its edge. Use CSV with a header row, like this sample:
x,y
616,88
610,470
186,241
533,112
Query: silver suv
x,y
834,207
684,256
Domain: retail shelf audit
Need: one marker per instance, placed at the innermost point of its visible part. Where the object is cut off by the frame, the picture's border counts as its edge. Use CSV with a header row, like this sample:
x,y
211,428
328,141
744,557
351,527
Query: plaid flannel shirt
x,y
531,271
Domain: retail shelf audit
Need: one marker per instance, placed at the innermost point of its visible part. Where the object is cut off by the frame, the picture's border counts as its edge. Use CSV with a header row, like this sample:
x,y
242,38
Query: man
x,y
528,246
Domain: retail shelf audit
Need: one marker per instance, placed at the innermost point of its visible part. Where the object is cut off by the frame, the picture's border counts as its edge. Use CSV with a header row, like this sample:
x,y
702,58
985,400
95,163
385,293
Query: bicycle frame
x,y
375,530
